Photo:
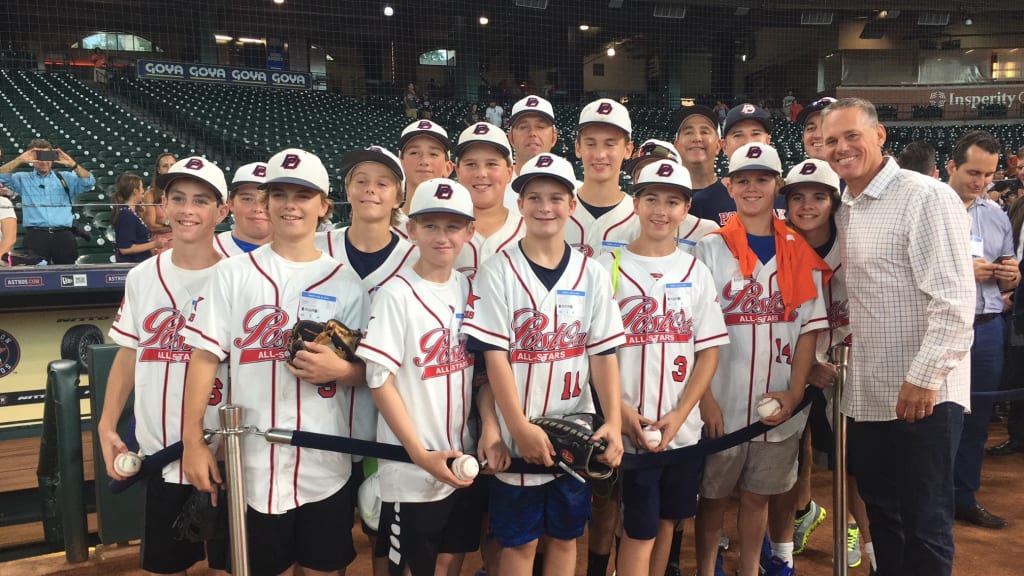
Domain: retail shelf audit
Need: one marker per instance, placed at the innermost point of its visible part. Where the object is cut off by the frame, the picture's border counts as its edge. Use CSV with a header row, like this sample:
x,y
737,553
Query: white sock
x,y
869,548
784,551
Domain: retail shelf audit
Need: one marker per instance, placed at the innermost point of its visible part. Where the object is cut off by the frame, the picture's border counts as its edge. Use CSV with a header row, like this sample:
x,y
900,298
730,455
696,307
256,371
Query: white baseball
x,y
768,407
465,467
653,437
127,464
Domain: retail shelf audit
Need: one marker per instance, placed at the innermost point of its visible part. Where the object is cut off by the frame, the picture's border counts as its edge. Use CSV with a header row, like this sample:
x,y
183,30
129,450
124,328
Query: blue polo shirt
x,y
43,199
992,225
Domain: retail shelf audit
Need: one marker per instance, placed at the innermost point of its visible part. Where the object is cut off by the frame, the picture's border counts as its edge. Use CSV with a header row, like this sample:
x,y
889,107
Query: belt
x,y
985,318
49,229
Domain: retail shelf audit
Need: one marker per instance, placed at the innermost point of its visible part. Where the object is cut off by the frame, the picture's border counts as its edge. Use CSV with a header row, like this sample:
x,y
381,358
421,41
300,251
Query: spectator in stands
x,y
787,104
495,114
919,156
794,110
8,227
152,208
99,64
721,109
46,197
133,242
974,160
909,380
472,117
411,101
1012,161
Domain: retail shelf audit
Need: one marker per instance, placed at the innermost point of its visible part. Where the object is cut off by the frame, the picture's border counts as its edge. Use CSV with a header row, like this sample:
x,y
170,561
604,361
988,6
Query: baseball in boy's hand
x,y
465,467
767,407
127,464
652,436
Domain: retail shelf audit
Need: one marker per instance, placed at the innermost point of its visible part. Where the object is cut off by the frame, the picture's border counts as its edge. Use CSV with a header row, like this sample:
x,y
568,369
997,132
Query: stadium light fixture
x,y
243,40
221,38
279,2
584,27
388,10
968,21
611,52
484,21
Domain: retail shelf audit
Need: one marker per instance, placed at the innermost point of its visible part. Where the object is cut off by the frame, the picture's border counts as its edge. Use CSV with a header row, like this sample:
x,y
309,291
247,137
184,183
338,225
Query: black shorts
x,y
414,533
654,494
316,535
162,552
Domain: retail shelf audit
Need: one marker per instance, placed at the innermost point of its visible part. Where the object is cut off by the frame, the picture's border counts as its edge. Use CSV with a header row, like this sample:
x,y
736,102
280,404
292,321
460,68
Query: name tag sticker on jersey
x,y
570,303
677,296
609,246
977,247
686,242
737,283
317,307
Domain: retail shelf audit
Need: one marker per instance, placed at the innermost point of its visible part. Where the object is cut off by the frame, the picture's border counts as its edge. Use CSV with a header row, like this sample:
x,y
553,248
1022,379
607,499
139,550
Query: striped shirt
x,y
905,247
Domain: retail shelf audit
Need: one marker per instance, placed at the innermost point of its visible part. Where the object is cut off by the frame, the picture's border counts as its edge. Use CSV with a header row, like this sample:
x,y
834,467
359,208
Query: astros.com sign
x,y
212,74
942,99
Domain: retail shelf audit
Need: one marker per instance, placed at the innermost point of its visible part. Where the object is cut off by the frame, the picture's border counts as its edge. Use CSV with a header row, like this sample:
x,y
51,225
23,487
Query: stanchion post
x,y
231,428
839,355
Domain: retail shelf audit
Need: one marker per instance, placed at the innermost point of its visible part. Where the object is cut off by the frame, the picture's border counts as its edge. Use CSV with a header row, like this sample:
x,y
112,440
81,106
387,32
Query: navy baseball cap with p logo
x,y
747,112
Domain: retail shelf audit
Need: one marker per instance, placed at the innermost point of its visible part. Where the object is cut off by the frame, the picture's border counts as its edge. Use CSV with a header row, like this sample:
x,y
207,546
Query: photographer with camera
x,y
46,197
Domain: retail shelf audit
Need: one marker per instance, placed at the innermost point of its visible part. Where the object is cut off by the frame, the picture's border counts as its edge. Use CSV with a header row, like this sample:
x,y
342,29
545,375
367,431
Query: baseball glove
x,y
199,520
574,449
332,333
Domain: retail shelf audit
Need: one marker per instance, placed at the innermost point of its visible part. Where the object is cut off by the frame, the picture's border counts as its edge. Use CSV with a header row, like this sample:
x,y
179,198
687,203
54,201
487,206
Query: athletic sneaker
x,y
720,564
804,525
852,545
778,567
766,555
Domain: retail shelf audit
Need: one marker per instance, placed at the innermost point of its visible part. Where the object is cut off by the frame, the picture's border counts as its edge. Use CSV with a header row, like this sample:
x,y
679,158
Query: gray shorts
x,y
764,468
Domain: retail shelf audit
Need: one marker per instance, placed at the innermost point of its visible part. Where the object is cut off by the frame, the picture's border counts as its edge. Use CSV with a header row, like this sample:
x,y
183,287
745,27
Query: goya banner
x,y
213,74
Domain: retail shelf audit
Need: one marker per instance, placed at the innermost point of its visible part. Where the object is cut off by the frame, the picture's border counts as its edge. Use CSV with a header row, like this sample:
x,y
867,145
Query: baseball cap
x,y
747,111
295,166
199,168
441,196
755,156
424,128
532,105
680,116
377,154
547,165
651,149
253,173
663,173
812,108
606,111
811,171
484,133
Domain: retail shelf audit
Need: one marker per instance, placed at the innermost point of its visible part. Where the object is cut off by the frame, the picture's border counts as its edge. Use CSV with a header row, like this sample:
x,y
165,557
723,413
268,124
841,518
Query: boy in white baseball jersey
x,y
252,229
300,507
692,228
605,220
674,326
424,148
484,166
544,318
812,198
153,359
769,281
421,375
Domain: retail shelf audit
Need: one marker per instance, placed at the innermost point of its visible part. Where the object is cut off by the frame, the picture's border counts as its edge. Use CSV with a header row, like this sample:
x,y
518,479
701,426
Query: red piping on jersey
x,y
381,352
207,338
600,342
692,230
448,408
298,451
181,426
619,223
583,232
420,300
220,246
273,384
750,381
715,337
325,278
643,349
401,264
475,327
163,407
160,274
526,289
330,242
547,392
511,238
476,253
579,277
125,334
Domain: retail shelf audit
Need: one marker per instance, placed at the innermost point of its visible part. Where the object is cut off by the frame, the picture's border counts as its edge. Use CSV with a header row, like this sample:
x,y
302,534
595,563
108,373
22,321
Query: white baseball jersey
x,y
415,333
837,306
762,340
158,297
402,228
252,303
691,230
614,229
670,311
549,334
226,245
362,412
481,247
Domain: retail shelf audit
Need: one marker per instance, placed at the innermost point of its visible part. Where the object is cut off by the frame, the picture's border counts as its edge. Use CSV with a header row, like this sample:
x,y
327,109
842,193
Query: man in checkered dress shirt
x,y
905,246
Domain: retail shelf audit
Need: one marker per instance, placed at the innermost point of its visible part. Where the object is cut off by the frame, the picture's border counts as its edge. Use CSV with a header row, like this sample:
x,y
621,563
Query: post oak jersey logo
x,y
441,356
161,339
665,170
644,324
291,162
482,128
537,341
747,306
604,109
543,161
838,313
263,335
808,168
194,164
754,152
260,171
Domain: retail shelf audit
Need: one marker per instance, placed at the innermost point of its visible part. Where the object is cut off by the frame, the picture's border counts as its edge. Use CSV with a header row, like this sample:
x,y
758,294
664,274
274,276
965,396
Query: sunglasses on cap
x,y
655,150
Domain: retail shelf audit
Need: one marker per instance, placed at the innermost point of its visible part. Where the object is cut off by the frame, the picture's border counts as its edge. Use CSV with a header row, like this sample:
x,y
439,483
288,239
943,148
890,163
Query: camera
x,y
47,155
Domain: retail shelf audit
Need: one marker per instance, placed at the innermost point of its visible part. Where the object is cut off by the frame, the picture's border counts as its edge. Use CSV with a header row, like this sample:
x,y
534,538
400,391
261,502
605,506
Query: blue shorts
x,y
522,514
654,494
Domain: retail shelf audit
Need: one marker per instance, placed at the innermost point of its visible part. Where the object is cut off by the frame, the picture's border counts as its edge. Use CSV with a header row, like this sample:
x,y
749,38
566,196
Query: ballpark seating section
x,y
238,125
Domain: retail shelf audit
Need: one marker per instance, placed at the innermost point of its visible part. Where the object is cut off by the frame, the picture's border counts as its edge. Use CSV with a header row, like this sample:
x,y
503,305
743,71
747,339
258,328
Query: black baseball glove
x,y
574,448
199,520
332,333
